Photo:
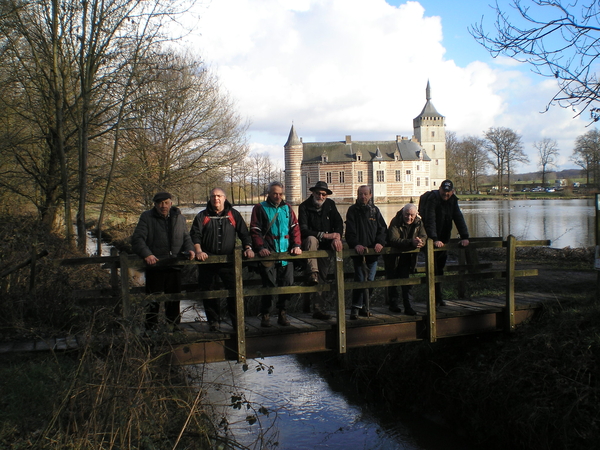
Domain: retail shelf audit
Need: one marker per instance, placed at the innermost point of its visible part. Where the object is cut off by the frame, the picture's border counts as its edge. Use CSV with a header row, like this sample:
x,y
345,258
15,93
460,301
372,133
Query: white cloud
x,y
360,67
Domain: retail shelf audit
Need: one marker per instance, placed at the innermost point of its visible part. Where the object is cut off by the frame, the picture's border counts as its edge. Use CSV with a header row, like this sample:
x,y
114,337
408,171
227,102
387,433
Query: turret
x,y
293,161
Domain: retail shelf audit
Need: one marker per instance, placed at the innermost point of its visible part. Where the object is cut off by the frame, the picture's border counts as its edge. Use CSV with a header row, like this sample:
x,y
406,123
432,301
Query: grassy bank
x,y
116,393
534,389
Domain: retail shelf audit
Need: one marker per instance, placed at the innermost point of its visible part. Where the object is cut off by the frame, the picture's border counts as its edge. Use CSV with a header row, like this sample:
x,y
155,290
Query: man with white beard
x,y
321,226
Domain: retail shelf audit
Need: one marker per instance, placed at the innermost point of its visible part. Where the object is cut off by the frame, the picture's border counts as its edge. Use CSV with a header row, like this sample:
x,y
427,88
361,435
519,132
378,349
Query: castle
x,y
396,170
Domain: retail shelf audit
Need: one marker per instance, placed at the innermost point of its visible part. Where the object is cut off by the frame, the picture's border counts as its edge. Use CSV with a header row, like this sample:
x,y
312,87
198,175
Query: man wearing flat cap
x,y
161,233
440,210
321,227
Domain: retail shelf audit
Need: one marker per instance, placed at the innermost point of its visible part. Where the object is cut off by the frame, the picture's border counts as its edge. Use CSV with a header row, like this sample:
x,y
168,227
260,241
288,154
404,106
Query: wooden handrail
x,y
469,270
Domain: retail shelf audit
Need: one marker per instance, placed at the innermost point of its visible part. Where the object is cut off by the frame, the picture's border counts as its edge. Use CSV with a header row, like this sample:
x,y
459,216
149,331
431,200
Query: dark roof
x,y
340,151
429,111
292,138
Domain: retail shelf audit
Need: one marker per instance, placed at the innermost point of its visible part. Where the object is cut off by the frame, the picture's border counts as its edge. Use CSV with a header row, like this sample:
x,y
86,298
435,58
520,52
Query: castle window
x,y
426,181
408,176
434,147
380,176
342,177
433,134
359,176
418,167
418,181
359,156
324,158
398,175
437,162
328,177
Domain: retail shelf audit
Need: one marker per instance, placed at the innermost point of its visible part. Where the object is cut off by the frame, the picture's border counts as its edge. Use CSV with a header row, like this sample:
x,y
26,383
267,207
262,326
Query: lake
x,y
567,223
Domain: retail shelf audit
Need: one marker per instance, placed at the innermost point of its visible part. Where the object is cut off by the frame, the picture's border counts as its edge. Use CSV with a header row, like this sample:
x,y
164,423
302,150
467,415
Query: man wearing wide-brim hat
x,y
321,226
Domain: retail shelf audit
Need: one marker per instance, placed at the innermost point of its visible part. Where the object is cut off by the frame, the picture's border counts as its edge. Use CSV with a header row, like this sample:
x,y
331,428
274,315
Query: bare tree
x,y
586,155
467,161
547,152
506,149
185,128
558,39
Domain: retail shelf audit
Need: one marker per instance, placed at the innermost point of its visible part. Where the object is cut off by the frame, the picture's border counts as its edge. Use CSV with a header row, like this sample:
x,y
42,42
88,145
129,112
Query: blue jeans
x,y
359,295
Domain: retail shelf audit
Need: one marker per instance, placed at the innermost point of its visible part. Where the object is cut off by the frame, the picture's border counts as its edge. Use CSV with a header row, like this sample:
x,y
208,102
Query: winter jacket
x,y
216,233
400,236
281,235
365,225
316,222
160,236
439,216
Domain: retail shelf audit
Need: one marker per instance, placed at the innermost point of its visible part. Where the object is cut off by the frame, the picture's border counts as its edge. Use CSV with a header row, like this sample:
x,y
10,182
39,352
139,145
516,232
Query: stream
x,y
295,402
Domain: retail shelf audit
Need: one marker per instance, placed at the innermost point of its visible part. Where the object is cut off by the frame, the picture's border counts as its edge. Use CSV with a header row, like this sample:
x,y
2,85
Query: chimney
x,y
348,139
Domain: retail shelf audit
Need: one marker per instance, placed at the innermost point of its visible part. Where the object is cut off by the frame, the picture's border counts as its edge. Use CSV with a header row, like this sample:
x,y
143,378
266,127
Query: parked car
x,y
525,190
550,189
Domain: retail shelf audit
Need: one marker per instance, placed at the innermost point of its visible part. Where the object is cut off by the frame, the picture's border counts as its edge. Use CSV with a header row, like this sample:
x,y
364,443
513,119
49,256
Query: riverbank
x,y
534,389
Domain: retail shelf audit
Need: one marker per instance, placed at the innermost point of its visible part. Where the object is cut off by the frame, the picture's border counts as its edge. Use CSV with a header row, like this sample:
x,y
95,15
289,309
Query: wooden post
x,y
32,272
340,302
462,261
597,261
125,285
509,310
114,272
239,306
430,274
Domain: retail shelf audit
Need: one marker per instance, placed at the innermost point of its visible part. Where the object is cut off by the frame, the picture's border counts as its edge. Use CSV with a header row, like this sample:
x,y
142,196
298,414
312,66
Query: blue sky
x,y
359,67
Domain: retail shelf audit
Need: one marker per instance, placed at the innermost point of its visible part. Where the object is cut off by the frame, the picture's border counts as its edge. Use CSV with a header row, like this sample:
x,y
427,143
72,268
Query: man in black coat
x,y
214,232
440,211
161,233
321,227
365,228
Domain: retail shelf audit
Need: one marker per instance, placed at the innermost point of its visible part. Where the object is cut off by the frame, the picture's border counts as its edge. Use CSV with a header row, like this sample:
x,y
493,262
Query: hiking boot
x,y
320,315
354,314
409,311
394,305
265,321
313,278
364,313
282,319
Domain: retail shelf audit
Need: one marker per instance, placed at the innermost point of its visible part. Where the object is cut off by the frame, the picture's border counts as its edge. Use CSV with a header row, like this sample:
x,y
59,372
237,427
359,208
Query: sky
x,y
360,67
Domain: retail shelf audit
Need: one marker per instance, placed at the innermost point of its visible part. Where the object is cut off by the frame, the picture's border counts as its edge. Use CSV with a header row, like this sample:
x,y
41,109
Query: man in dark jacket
x,y
274,228
321,227
214,232
406,232
161,233
440,211
365,228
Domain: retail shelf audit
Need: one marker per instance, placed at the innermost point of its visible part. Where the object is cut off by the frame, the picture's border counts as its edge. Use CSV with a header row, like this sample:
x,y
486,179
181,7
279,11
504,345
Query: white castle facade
x,y
396,170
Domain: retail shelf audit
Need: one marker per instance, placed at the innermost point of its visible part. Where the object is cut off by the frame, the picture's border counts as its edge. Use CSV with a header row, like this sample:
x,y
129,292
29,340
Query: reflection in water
x,y
567,223
293,407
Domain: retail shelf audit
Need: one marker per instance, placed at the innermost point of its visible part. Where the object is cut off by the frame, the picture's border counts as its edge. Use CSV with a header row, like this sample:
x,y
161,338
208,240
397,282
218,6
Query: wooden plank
x,y
23,346
6,347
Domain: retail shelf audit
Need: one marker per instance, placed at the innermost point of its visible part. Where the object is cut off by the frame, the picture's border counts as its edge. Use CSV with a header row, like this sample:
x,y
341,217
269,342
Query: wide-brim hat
x,y
321,186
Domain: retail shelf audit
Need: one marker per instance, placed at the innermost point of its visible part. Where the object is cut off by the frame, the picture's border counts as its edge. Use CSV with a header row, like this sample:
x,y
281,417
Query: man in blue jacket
x,y
214,232
365,228
161,233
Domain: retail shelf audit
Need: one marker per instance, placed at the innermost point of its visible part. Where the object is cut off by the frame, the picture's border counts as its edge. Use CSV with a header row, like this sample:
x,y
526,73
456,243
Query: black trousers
x,y
166,280
273,276
208,278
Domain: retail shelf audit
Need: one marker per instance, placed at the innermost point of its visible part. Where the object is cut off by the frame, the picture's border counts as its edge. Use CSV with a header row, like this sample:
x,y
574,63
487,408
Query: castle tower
x,y
430,131
293,154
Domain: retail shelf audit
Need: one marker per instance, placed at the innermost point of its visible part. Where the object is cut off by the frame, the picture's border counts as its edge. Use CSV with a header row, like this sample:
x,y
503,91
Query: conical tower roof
x,y
428,110
292,138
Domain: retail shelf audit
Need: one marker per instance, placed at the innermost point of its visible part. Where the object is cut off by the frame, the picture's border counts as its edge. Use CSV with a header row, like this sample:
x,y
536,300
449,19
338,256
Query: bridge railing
x,y
468,269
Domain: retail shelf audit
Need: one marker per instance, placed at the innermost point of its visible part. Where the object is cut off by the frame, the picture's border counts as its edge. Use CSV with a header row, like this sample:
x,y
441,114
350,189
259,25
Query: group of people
x,y
161,233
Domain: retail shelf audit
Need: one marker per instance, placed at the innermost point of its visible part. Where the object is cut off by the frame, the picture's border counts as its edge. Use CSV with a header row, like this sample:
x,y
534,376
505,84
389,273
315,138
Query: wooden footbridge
x,y
194,343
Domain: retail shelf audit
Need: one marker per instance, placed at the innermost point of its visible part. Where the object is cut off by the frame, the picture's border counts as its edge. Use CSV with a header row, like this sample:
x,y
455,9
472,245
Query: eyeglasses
x,y
321,194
